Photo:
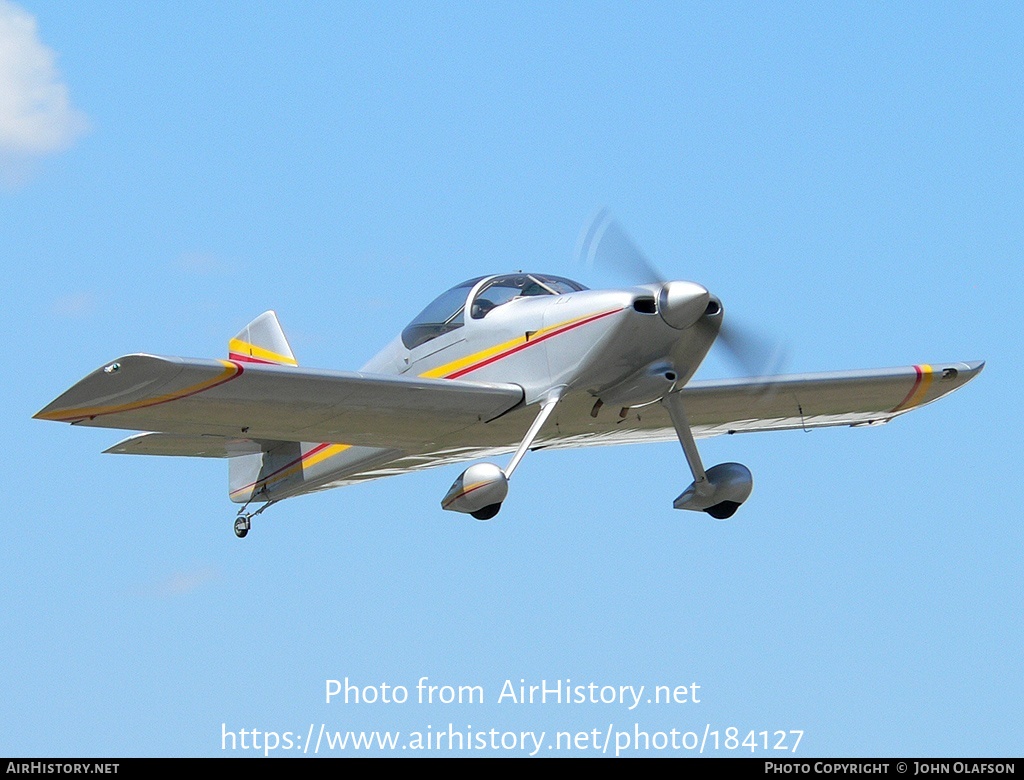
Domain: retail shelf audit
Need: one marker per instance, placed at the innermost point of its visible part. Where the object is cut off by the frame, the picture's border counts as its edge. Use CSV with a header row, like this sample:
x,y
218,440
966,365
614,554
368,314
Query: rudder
x,y
262,341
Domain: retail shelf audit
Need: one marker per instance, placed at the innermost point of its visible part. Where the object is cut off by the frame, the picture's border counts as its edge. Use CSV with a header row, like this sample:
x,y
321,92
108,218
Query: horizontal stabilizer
x,y
185,446
261,469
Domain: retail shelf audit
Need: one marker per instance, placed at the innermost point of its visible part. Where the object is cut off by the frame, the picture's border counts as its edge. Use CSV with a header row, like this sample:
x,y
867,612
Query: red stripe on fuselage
x,y
529,343
299,459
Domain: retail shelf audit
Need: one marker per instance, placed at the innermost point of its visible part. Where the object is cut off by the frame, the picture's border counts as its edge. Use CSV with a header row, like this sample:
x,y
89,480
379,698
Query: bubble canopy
x,y
447,311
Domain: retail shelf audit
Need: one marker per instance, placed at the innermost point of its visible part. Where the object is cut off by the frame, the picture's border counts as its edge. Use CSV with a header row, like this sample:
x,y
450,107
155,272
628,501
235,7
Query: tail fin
x,y
262,341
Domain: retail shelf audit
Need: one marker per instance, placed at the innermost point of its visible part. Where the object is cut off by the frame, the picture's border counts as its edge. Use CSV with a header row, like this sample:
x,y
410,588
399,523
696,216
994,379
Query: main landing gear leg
x,y
720,490
546,408
674,404
243,522
480,490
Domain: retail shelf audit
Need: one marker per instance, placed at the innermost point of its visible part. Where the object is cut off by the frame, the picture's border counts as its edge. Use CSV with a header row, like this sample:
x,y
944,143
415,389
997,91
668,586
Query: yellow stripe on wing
x,y
926,381
231,370
917,393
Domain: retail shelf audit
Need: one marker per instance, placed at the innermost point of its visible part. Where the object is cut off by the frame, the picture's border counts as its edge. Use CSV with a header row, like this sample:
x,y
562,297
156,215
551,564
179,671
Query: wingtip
x,y
48,412
969,369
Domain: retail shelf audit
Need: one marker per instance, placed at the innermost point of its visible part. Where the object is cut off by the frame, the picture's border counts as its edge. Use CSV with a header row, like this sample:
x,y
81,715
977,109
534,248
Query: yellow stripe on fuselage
x,y
305,462
455,365
484,354
452,367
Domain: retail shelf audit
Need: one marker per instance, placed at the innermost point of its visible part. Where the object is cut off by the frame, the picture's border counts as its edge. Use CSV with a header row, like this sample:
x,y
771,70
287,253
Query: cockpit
x,y
447,312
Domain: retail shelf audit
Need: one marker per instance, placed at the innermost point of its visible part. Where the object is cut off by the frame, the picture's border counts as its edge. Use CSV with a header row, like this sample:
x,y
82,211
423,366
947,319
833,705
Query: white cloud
x,y
36,115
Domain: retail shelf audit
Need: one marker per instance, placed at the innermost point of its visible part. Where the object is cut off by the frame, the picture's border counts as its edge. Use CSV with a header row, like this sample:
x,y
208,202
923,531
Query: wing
x,y
854,398
274,422
193,397
286,430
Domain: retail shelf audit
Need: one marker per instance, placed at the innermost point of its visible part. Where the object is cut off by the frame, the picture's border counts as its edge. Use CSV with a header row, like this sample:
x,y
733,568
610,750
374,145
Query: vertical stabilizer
x,y
262,341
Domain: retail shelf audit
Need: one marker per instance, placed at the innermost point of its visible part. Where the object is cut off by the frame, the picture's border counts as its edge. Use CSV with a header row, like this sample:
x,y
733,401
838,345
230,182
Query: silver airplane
x,y
495,365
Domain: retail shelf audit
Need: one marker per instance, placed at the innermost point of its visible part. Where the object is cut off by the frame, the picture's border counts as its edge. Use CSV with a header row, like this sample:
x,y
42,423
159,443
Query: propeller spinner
x,y
605,244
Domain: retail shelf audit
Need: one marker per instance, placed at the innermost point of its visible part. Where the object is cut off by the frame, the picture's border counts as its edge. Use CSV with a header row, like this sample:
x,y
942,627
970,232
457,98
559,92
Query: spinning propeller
x,y
605,244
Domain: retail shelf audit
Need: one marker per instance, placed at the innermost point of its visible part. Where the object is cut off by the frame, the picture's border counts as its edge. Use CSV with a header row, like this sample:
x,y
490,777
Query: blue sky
x,y
845,177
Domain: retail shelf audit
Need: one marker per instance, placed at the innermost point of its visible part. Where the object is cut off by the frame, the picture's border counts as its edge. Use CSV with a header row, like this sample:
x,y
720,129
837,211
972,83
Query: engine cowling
x,y
647,385
481,486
